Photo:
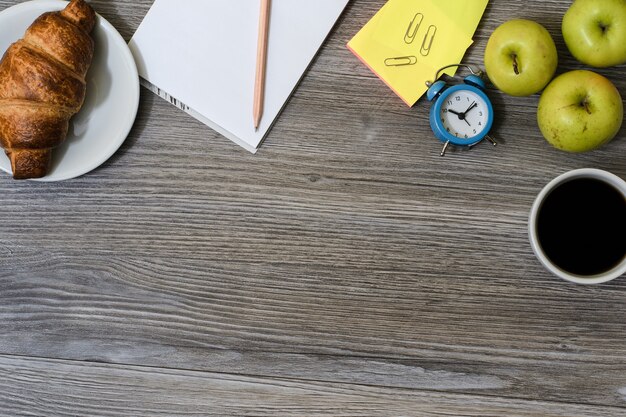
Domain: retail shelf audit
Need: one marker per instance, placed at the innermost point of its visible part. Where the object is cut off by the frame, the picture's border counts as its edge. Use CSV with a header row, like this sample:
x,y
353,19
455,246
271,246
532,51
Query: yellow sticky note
x,y
408,41
466,14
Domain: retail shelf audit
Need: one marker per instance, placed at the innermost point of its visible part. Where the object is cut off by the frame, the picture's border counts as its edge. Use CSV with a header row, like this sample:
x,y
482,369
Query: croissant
x,y
42,85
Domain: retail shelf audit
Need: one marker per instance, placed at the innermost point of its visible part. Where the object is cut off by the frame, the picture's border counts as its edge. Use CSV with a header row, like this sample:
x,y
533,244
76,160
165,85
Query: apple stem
x,y
515,64
585,104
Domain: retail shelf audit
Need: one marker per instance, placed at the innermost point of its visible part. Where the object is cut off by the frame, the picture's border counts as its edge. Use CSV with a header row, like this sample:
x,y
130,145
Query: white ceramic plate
x,y
110,107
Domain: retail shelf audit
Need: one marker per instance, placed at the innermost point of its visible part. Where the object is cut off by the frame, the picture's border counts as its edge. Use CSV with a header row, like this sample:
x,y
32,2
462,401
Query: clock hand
x,y
460,115
470,108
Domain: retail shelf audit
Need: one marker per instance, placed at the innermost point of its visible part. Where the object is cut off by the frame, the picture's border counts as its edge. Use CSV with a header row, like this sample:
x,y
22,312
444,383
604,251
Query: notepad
x,y
408,41
201,56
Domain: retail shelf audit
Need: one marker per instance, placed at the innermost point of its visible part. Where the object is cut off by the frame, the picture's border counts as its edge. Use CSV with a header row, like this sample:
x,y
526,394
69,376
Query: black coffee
x,y
581,226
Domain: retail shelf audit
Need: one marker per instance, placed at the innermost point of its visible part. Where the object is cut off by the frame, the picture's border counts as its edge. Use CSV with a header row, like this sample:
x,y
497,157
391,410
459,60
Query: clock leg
x,y
445,146
492,140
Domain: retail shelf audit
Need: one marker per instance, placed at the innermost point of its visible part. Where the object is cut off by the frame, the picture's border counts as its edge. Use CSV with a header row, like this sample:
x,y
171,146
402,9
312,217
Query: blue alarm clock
x,y
460,114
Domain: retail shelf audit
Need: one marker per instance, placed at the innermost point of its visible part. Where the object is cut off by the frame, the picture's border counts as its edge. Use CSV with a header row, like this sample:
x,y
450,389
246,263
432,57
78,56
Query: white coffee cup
x,y
611,179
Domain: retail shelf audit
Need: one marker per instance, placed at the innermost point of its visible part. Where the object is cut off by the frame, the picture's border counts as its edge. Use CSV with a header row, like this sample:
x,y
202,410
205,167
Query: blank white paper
x,y
203,53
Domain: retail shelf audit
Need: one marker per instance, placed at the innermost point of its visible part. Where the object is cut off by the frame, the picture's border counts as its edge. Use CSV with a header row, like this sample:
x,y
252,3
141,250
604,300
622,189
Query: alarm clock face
x,y
464,114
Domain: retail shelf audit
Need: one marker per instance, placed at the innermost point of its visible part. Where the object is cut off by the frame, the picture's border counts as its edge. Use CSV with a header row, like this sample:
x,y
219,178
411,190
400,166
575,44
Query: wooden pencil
x,y
261,61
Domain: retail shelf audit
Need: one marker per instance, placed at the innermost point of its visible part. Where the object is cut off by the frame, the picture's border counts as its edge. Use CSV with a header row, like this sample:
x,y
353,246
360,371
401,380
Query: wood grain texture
x,y
67,388
345,269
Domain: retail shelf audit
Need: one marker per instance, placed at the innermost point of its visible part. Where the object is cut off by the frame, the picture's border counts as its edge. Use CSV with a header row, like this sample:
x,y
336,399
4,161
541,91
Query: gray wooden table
x,y
346,269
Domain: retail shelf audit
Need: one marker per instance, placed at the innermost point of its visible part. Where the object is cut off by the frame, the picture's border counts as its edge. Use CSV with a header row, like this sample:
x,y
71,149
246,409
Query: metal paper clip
x,y
414,25
400,61
428,38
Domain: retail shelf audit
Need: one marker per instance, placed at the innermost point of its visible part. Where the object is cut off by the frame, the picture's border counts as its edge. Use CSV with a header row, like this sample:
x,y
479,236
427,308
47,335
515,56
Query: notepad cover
x,y
201,54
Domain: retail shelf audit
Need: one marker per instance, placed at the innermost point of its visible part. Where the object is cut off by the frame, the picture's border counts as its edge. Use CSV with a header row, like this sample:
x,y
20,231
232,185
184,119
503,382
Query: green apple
x,y
595,31
520,57
580,111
